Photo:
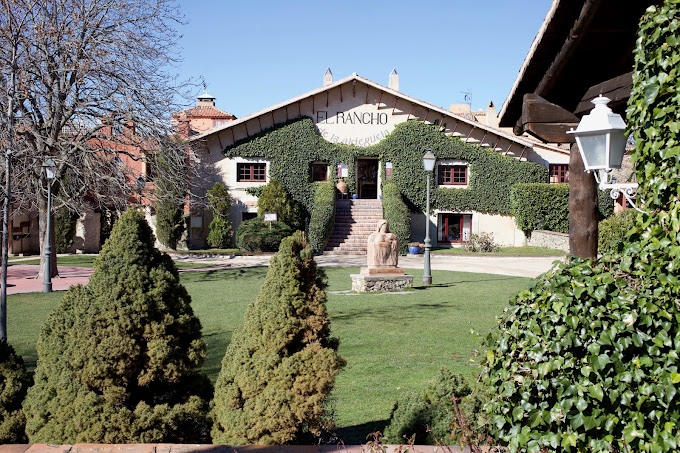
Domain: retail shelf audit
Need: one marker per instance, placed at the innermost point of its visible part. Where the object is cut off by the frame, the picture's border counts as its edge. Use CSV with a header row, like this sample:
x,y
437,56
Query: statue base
x,y
375,270
395,281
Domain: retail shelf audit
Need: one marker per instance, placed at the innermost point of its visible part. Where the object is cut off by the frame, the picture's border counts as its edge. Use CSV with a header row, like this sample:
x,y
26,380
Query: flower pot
x,y
413,250
355,196
342,187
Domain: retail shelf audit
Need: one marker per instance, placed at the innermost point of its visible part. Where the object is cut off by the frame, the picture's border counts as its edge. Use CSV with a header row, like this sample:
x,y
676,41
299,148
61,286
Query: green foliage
x,y
274,198
281,364
588,358
322,216
612,232
256,235
64,230
219,202
546,206
397,215
293,147
429,415
169,200
116,359
14,381
481,243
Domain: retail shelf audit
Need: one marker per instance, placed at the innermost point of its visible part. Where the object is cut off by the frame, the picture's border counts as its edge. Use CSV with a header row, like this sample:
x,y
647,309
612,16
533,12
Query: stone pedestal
x,y
383,282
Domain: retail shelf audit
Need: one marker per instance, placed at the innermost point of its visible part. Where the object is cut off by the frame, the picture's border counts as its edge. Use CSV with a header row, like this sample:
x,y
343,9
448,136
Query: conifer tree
x,y
14,380
281,364
116,359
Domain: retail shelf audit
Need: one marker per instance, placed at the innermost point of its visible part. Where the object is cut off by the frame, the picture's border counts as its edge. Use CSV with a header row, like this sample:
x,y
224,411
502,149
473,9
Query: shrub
x,y
397,215
219,202
274,198
546,206
256,235
14,380
281,364
169,200
322,216
612,232
117,359
481,243
430,415
64,230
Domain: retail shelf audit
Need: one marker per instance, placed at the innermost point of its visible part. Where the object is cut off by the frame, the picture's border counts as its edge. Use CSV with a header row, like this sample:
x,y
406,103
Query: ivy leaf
x,y
649,92
596,392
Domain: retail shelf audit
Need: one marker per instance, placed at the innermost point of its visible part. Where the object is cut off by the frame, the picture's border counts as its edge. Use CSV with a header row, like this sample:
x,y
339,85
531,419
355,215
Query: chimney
x,y
327,77
394,80
491,115
205,100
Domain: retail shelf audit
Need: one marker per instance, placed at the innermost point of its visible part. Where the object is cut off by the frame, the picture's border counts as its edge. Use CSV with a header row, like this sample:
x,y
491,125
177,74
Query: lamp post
x,y
601,141
50,173
140,182
428,162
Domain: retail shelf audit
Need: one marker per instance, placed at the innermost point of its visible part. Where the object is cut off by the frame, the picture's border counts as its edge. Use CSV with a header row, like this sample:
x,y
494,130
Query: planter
x,y
355,196
342,186
413,250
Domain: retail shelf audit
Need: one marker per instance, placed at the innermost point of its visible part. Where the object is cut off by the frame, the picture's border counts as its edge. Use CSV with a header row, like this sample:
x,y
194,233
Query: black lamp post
x,y
50,174
140,182
428,162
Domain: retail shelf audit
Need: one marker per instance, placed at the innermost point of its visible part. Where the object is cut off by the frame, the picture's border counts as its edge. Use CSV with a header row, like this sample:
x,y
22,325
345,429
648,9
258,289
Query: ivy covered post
x,y
281,364
219,202
117,359
588,359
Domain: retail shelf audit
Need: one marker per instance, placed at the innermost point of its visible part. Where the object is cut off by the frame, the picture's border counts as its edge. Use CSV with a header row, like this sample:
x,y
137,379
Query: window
x,y
559,173
452,175
247,216
453,227
319,172
251,171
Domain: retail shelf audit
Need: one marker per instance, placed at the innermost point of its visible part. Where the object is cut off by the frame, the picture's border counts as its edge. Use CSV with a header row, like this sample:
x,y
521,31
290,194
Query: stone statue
x,y
383,247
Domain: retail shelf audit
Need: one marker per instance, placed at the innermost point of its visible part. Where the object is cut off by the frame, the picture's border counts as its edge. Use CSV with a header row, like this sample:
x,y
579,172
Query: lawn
x,y
88,261
393,343
527,251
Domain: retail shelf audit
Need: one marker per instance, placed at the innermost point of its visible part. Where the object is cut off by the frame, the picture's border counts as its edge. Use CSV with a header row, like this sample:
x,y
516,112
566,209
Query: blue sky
x,y
256,53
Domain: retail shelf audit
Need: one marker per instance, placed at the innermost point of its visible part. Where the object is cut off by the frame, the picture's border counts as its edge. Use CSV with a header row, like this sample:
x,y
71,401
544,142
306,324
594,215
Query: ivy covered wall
x,y
291,148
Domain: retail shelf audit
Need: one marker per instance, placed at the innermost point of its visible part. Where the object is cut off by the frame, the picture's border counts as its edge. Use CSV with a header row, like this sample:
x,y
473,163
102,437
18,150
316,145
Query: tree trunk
x,y
583,212
42,220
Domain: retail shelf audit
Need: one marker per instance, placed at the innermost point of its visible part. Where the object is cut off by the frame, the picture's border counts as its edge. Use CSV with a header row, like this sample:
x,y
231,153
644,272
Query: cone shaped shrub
x,y
14,380
116,359
281,364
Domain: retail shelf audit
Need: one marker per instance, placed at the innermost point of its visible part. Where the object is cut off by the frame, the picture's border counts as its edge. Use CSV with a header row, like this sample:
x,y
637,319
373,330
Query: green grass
x,y
393,343
502,251
229,252
88,261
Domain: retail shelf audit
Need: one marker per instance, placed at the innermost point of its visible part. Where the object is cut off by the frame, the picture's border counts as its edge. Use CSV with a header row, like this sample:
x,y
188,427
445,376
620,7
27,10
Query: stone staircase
x,y
355,220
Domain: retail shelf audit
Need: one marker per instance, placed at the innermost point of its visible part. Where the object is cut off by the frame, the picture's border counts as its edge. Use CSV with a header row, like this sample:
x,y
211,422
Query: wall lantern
x,y
601,141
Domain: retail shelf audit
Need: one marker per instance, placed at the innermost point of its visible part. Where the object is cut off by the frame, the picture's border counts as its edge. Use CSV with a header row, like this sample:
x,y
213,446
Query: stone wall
x,y
549,239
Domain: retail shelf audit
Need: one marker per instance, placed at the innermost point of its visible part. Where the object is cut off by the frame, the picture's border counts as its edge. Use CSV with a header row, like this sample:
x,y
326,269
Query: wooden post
x,y
583,212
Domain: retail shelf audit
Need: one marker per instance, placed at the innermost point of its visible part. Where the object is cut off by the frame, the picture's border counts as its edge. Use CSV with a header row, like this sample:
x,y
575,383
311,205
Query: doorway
x,y
454,228
367,178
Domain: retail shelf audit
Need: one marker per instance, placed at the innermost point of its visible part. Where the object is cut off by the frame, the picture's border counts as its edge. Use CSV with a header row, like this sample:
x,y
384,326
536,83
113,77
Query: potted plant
x,y
414,248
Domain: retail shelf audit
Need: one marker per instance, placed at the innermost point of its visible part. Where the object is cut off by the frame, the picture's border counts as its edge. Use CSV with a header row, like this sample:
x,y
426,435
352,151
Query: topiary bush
x,y
546,206
274,198
587,360
219,202
169,199
397,215
14,381
117,358
256,235
322,216
64,230
612,232
281,364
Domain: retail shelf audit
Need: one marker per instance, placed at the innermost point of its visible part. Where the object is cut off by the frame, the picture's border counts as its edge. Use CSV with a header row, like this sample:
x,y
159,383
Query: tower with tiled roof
x,y
201,118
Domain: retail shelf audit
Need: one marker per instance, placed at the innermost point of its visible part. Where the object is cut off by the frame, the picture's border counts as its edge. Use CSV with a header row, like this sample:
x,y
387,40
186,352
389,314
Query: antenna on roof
x,y
467,98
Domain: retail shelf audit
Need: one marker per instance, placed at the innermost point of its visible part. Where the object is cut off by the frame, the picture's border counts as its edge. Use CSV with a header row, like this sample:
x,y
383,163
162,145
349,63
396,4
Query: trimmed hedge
x,y
322,216
291,149
274,198
14,381
612,232
546,206
256,235
397,215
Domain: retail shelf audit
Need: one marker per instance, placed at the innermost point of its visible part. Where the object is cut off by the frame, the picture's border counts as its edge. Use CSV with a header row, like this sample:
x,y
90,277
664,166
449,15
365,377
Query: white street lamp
x,y
50,174
601,140
429,160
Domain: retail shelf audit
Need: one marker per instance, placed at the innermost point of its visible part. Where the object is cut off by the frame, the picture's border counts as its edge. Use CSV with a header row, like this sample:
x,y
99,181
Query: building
x,y
359,112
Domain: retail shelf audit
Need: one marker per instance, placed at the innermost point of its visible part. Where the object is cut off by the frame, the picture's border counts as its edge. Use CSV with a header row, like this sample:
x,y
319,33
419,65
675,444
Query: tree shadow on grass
x,y
225,274
356,435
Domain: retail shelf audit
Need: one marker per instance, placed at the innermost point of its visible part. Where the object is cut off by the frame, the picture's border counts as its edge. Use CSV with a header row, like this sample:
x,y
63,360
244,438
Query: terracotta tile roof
x,y
206,112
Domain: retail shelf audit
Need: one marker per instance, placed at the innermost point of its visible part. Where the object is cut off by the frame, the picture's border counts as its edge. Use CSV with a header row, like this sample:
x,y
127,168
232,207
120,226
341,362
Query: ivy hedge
x,y
292,147
546,206
322,216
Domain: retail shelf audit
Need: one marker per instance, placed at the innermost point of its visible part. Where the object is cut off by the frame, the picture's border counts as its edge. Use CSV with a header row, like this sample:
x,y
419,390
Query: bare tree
x,y
95,90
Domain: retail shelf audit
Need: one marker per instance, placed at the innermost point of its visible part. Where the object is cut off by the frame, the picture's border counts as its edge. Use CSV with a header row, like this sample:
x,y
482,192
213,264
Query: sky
x,y
256,53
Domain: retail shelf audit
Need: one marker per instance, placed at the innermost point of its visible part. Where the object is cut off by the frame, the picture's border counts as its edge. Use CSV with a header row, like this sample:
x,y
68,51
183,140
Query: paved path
x,y
21,277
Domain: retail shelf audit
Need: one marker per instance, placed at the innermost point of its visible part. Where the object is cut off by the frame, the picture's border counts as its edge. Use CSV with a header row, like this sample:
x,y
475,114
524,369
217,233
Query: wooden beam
x,y
546,121
583,211
617,89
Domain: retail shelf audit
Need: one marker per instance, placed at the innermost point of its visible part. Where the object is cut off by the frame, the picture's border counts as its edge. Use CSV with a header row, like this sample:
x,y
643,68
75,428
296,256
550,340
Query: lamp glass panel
x,y
50,172
594,150
429,160
617,149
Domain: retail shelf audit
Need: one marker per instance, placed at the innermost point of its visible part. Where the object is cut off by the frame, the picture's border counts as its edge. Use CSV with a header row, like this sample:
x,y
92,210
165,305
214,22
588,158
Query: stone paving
x,y
21,278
